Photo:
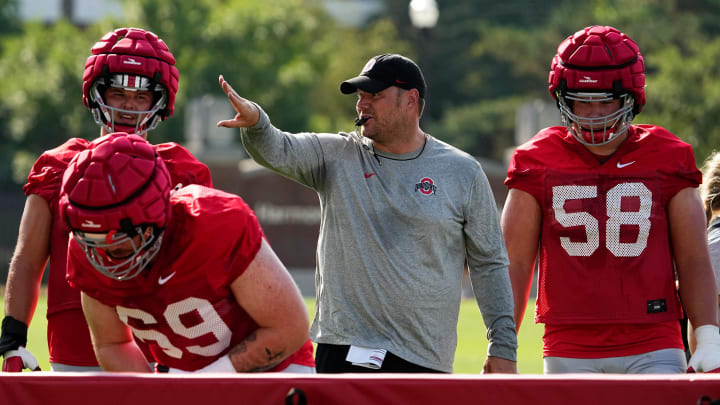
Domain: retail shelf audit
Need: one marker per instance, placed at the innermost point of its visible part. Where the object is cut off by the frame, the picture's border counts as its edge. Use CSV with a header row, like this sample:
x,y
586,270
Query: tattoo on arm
x,y
272,358
272,361
240,348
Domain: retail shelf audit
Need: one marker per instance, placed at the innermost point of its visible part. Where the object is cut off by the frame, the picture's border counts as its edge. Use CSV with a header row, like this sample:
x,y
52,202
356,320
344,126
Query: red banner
x,y
110,389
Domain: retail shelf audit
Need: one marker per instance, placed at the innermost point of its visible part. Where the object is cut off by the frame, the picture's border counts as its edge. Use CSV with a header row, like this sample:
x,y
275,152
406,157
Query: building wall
x,y
347,12
83,11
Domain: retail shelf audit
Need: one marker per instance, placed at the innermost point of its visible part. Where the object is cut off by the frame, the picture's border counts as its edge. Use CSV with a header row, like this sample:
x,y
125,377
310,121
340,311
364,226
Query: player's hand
x,y
221,365
498,365
247,113
707,355
13,338
17,360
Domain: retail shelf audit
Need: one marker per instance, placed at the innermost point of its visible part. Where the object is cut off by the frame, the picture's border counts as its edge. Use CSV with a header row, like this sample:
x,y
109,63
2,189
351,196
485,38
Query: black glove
x,y
12,335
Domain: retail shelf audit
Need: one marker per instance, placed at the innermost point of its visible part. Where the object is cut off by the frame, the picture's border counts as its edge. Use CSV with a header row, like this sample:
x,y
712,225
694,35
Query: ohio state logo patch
x,y
426,185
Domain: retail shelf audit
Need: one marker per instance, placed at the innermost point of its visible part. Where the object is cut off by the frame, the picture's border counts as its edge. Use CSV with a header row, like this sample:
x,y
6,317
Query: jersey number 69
x,y
211,323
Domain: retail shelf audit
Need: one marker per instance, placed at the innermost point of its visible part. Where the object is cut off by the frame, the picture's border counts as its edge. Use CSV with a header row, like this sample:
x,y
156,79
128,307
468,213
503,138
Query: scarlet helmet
x,y
131,59
116,193
598,63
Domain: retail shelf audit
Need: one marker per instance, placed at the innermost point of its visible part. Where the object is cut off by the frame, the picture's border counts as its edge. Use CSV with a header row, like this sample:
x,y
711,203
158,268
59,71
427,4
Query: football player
x,y
187,273
129,84
611,212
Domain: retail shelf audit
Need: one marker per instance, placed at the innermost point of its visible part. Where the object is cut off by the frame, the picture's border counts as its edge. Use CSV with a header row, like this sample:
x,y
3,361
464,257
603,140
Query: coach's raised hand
x,y
247,112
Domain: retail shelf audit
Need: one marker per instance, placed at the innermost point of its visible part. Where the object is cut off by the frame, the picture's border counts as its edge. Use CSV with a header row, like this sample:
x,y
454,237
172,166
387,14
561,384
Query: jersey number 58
x,y
616,218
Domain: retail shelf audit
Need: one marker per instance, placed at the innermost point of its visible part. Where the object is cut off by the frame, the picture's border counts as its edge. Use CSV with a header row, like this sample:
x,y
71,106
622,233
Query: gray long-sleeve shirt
x,y
395,232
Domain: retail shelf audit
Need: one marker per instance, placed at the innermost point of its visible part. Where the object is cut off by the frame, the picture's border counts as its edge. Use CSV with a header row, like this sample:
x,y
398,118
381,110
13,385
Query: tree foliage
x,y
490,55
9,17
482,61
281,54
42,105
260,46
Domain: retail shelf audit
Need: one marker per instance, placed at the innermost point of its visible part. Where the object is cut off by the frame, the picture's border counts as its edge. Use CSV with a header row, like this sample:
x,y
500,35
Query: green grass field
x,y
469,357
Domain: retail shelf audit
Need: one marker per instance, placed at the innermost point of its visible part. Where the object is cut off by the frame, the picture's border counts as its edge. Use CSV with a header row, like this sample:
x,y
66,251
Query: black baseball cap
x,y
386,70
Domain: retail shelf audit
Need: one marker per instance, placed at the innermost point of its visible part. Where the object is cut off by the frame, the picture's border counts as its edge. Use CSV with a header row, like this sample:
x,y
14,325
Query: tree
x,y
266,48
284,54
486,128
287,55
333,111
9,25
482,60
684,94
9,17
42,106
501,55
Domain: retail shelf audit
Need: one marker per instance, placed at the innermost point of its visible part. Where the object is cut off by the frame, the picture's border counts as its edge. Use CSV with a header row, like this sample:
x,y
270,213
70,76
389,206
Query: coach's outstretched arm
x,y
247,113
301,157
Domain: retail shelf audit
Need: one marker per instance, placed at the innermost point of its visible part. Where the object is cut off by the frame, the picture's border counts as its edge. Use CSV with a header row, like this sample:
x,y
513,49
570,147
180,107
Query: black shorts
x,y
331,359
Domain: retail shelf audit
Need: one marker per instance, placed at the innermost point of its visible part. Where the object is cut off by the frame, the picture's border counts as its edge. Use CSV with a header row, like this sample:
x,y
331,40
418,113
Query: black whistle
x,y
360,121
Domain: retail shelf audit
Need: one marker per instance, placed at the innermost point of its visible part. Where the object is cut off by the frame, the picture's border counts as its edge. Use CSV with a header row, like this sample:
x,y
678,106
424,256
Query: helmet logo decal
x,y
588,79
89,224
131,61
426,186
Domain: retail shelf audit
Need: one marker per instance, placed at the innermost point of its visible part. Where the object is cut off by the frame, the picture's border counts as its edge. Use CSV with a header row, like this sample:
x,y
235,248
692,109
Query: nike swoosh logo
x,y
621,165
163,280
400,81
368,175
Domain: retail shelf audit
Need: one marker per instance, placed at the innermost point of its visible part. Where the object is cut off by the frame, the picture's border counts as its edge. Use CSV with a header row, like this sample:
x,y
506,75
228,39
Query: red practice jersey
x,y
605,255
69,341
182,307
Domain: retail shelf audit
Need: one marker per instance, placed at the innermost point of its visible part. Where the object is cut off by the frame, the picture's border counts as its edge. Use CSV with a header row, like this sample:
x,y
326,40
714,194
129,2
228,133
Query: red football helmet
x,y
598,63
131,59
115,197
